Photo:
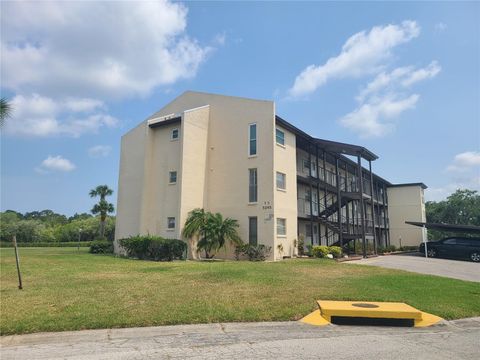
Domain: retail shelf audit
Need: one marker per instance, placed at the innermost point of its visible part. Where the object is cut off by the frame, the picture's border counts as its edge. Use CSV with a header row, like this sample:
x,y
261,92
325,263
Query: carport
x,y
465,229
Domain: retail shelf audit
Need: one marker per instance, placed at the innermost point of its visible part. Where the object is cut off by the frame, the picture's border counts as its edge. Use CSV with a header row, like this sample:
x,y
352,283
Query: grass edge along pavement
x,y
67,289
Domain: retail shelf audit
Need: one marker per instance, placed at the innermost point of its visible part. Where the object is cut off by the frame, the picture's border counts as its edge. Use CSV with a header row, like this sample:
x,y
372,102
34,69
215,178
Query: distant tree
x,y
82,216
103,207
6,110
460,208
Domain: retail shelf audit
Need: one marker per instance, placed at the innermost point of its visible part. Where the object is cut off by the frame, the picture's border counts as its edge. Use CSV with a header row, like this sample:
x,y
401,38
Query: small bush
x,y
309,250
301,245
101,247
336,251
253,252
154,248
5,244
320,251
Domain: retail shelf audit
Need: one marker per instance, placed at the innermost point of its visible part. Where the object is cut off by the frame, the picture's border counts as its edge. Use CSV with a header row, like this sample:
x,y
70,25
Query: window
x,y
281,227
281,181
170,223
252,185
280,137
172,177
252,139
252,230
175,134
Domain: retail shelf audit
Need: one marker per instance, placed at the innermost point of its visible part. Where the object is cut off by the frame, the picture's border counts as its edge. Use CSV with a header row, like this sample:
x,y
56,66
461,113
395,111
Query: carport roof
x,y
447,227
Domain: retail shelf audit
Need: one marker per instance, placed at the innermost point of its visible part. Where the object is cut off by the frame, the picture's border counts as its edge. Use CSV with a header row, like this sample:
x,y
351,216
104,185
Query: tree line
x,y
460,208
46,226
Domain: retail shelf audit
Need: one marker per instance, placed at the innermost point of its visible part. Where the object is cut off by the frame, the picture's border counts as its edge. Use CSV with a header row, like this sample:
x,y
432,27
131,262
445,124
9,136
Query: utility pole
x,y
18,262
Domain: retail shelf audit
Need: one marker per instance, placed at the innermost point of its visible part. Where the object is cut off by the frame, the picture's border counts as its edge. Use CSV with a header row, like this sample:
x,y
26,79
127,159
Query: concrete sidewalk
x,y
456,269
280,340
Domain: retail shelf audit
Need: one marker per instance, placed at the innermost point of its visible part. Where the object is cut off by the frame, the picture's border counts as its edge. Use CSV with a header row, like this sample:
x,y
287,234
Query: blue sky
x,y
402,79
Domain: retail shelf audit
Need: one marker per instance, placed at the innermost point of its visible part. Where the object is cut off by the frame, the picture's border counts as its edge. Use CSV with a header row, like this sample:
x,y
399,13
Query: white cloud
x,y
401,77
96,49
386,98
462,173
40,116
99,151
373,118
55,163
429,72
362,54
465,161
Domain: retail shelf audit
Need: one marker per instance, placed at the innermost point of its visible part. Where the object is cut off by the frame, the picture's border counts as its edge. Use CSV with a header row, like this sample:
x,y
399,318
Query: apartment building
x,y
236,156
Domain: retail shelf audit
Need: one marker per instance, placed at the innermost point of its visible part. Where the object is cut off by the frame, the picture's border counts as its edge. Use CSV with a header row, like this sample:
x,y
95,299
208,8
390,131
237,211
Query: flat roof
x,y
422,185
334,146
447,227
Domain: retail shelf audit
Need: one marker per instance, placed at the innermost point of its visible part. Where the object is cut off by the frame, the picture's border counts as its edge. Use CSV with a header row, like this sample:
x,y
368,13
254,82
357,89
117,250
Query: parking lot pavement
x,y
456,269
275,340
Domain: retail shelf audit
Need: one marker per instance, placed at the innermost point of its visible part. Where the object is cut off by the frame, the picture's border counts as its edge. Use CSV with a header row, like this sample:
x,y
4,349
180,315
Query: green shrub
x,y
253,252
320,251
5,244
156,248
101,247
301,245
336,251
309,250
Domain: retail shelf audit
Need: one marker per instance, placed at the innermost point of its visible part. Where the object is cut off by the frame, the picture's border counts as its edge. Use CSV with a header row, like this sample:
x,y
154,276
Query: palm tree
x,y
217,232
5,110
103,207
193,228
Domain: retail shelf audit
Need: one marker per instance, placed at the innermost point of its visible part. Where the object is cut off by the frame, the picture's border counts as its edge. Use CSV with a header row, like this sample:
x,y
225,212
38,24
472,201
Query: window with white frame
x,y
281,227
171,223
252,186
280,137
252,139
281,181
175,134
172,177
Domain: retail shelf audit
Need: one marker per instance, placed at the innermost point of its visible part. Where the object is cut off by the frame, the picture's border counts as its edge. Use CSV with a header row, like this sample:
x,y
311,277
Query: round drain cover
x,y
364,305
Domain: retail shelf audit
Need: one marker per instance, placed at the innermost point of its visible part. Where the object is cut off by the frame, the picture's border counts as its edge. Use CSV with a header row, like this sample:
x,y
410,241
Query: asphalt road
x,y
457,269
458,339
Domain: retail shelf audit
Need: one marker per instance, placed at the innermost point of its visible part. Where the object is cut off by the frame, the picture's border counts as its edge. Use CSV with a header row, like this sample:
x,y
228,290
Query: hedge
x,y
321,251
101,247
155,248
5,244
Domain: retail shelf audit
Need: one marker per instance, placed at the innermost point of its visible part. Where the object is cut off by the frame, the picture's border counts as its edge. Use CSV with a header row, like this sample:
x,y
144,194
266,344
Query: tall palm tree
x,y
194,227
5,110
103,207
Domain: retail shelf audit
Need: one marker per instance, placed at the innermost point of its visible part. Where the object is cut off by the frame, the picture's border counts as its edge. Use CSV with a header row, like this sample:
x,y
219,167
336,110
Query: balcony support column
x,y
385,215
362,208
311,192
339,203
325,192
373,207
318,195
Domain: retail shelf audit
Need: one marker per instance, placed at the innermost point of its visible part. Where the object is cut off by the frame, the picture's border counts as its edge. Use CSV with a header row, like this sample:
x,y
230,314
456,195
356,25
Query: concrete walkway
x,y
456,269
282,340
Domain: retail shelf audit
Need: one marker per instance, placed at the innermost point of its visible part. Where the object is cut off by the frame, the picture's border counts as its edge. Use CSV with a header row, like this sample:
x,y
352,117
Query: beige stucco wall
x,y
285,202
130,184
405,203
212,162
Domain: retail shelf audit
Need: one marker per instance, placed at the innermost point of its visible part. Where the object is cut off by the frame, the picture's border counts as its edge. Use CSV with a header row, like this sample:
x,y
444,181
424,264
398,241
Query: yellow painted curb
x,y
315,318
427,320
322,316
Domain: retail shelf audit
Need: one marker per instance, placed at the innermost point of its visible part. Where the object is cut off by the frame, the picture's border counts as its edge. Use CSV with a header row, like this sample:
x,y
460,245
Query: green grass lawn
x,y
69,290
